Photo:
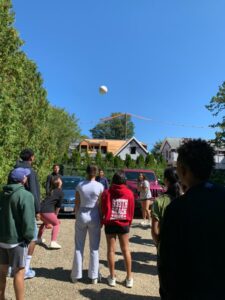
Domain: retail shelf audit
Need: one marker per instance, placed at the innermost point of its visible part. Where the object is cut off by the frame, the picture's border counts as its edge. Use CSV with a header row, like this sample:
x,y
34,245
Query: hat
x,y
18,174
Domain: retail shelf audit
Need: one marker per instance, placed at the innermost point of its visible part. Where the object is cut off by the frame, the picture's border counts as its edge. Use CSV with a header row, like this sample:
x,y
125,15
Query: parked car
x,y
69,186
132,177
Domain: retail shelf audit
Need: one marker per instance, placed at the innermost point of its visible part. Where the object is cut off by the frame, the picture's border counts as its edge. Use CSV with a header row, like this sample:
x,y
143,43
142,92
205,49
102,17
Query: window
x,y
103,149
83,148
133,176
132,150
167,153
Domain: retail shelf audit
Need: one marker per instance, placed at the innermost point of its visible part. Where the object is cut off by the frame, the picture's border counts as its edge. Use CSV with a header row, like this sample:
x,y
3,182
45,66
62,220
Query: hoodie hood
x,y
118,190
9,189
22,164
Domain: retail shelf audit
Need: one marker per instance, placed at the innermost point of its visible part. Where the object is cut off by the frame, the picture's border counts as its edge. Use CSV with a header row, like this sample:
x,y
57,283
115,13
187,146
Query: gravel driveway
x,y
53,270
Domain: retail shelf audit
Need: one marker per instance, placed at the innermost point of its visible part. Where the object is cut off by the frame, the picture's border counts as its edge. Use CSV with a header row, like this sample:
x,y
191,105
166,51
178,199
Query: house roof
x,y
112,145
173,142
128,142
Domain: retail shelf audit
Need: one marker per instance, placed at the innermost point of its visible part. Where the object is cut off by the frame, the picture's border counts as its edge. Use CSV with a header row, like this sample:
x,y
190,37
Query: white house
x,y
116,147
169,148
132,147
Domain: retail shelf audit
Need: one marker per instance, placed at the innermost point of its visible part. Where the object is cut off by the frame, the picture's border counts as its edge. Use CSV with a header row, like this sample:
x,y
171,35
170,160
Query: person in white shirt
x,y
88,193
145,197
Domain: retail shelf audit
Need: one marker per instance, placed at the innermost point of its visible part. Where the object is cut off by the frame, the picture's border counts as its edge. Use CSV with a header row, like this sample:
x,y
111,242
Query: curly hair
x,y
26,154
198,156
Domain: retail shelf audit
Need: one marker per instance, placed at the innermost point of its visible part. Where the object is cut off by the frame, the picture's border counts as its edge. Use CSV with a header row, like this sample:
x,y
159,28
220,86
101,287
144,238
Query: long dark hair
x,y
174,189
55,184
144,177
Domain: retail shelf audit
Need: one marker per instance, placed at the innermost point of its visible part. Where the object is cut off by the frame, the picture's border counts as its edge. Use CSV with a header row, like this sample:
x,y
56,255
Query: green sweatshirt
x,y
17,215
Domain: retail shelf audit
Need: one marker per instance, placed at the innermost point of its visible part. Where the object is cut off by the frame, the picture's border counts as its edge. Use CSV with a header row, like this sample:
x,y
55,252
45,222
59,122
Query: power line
x,y
169,123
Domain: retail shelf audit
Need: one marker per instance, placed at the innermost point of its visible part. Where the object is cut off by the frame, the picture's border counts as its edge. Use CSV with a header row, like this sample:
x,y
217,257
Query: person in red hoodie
x,y
117,205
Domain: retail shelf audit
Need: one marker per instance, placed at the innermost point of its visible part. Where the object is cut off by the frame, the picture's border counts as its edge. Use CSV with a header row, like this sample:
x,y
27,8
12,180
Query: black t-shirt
x,y
192,245
53,201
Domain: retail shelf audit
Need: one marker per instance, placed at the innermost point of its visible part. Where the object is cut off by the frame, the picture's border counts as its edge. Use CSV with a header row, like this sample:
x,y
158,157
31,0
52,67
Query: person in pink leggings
x,y
50,207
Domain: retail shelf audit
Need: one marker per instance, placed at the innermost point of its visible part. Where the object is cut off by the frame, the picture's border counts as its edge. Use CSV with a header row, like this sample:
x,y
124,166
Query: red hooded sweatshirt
x,y
117,206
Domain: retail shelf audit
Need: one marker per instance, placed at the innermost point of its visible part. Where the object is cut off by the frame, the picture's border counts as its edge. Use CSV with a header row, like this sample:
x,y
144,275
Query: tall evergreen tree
x,y
26,117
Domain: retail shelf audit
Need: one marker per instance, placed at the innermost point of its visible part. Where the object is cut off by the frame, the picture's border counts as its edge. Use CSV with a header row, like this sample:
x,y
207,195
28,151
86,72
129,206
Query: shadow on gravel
x,y
57,273
137,239
137,267
141,256
144,228
109,294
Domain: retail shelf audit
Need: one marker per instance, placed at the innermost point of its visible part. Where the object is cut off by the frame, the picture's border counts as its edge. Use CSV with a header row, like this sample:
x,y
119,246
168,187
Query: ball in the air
x,y
103,89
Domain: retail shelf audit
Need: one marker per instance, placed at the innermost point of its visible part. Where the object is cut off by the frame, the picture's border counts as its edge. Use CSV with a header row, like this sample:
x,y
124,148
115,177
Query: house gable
x,y
132,147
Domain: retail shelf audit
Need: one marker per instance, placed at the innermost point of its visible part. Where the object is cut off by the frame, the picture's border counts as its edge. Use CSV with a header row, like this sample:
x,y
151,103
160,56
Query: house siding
x,y
127,150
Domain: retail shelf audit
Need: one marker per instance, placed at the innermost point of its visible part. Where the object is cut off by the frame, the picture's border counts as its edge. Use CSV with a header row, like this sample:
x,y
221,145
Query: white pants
x,y
88,220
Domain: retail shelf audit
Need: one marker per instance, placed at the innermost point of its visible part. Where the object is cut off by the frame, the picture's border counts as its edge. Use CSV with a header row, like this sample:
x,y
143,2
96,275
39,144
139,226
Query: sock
x,y
28,260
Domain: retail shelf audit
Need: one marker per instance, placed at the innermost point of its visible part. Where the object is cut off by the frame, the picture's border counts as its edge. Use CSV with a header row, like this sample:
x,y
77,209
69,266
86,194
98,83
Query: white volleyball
x,y
103,89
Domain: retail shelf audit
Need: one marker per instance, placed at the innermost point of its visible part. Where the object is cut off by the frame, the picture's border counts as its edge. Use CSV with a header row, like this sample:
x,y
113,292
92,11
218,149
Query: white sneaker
x,y
40,241
111,281
55,245
144,223
94,281
73,280
129,282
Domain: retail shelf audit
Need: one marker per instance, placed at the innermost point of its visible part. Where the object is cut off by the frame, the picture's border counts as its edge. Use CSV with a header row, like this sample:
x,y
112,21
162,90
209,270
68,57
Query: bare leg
x,y
111,247
147,211
3,273
18,283
31,248
124,245
143,210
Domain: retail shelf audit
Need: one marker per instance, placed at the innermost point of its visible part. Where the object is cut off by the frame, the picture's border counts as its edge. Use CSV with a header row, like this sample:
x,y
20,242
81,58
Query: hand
x,y
38,217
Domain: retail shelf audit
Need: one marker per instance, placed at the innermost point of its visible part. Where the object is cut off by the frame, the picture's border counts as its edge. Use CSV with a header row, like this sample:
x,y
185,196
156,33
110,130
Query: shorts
x,y
35,232
116,229
14,257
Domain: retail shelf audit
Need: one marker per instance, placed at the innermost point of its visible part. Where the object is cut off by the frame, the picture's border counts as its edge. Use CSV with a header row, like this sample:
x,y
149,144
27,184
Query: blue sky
x,y
163,60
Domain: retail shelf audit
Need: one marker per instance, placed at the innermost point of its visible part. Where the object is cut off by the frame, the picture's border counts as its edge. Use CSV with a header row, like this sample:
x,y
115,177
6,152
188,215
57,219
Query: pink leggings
x,y
49,218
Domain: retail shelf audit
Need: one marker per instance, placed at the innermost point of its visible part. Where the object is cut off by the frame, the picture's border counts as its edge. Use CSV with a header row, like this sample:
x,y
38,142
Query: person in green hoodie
x,y
17,221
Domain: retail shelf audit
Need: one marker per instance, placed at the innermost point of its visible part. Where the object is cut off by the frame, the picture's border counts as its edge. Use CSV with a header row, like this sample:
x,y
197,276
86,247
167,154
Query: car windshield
x,y
70,183
134,175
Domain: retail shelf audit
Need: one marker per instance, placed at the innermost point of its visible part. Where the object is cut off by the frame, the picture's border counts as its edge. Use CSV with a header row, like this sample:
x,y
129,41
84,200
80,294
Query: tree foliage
x,y
217,107
119,128
140,162
26,117
156,149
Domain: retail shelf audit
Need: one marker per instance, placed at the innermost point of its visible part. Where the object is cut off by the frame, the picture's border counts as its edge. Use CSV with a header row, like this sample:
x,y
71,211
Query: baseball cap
x,y
18,174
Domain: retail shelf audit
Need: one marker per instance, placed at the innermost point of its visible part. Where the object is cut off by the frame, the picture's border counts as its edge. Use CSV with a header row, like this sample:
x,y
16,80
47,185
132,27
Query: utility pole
x,y
125,126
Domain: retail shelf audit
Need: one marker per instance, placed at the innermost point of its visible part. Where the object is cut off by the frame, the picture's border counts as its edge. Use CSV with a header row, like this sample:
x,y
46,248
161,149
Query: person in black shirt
x,y
55,174
102,179
192,239
50,207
